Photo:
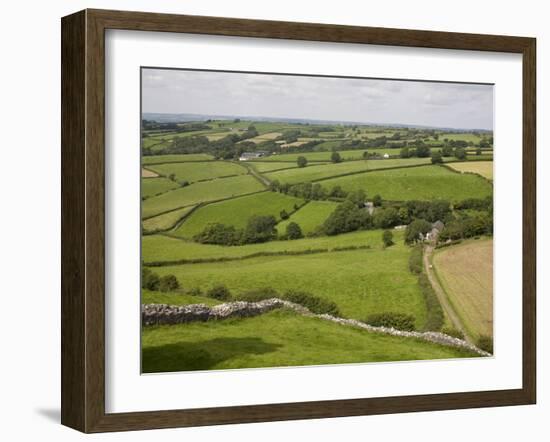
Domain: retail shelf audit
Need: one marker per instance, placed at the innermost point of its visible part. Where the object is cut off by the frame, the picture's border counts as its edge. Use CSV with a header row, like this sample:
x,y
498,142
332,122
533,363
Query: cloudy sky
x,y
318,98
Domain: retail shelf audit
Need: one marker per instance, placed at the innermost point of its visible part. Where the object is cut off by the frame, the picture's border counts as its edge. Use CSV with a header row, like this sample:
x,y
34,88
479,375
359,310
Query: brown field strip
x,y
466,274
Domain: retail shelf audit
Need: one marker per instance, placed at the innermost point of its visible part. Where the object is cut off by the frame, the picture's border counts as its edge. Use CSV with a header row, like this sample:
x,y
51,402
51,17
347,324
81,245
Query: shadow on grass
x,y
205,355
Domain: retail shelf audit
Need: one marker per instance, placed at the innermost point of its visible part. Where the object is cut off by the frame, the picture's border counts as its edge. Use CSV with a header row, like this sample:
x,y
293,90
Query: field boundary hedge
x,y
252,255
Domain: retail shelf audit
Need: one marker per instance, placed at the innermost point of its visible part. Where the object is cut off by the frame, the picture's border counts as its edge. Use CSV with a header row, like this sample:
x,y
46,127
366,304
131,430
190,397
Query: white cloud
x,y
322,98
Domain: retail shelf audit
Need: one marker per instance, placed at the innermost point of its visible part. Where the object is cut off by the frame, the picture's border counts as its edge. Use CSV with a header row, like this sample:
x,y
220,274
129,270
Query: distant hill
x,y
183,117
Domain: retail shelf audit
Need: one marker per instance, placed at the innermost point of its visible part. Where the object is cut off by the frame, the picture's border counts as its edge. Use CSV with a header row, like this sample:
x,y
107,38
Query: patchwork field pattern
x,y
416,183
199,192
236,212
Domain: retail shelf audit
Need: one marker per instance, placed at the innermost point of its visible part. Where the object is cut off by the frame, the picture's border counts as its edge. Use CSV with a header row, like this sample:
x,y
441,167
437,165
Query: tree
x,y
422,151
259,228
149,280
283,214
358,197
386,217
377,200
437,158
220,292
347,217
405,153
387,238
168,283
478,151
293,231
172,177
415,229
447,151
460,153
365,155
218,233
335,157
301,161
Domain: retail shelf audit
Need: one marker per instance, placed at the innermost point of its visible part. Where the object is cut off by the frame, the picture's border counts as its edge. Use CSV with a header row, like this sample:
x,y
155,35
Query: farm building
x,y
437,227
369,205
386,156
245,156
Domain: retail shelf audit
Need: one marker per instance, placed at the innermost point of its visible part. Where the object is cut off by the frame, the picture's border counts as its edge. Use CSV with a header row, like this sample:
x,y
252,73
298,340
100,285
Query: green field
x,y
360,282
174,298
310,216
166,220
155,186
314,172
159,159
416,183
237,211
269,166
162,248
276,339
198,192
192,172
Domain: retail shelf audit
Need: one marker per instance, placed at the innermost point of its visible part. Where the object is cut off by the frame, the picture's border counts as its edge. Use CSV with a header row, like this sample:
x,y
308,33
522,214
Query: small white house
x,y
386,156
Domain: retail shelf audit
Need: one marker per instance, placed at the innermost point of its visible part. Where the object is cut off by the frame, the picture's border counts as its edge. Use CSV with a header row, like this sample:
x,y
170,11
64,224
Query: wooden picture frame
x,y
83,220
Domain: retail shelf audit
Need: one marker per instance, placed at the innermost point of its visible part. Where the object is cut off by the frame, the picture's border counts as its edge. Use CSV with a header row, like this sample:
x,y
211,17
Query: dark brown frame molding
x,y
83,215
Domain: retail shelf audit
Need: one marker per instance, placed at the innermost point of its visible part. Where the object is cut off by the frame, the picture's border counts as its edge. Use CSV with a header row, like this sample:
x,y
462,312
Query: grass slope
x,y
158,248
416,183
466,274
309,217
316,172
237,211
361,282
200,192
153,186
175,298
276,339
165,221
192,172
159,159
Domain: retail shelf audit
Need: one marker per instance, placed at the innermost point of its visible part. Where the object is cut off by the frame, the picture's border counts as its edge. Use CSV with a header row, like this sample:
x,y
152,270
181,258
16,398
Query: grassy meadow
x,y
416,183
265,341
200,192
236,212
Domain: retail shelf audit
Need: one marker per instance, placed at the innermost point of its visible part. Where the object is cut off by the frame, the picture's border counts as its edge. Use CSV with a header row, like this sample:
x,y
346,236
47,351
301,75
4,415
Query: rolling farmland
x,y
353,269
310,216
200,192
236,212
192,172
416,183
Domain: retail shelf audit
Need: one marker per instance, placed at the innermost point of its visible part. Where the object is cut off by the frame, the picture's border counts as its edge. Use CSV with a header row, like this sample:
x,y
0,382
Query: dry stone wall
x,y
164,314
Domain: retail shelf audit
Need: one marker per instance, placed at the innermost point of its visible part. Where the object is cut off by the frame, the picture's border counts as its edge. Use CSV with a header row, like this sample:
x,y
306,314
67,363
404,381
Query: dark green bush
x,y
220,292
485,343
258,294
195,291
399,321
415,260
168,283
293,231
387,238
149,279
312,302
451,331
434,317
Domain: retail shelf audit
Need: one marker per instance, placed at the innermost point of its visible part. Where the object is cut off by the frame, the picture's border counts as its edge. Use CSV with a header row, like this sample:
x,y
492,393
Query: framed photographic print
x,y
269,220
